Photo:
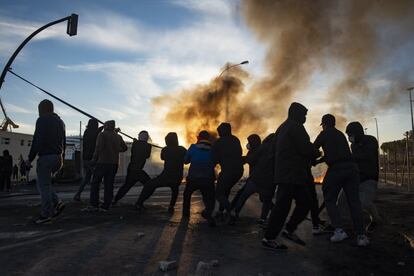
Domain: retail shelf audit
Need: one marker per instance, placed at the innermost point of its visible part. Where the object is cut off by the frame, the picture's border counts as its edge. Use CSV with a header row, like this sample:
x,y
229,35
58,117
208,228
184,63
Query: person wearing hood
x,y
49,141
293,152
106,156
140,152
88,147
227,152
365,152
201,176
172,174
250,187
343,175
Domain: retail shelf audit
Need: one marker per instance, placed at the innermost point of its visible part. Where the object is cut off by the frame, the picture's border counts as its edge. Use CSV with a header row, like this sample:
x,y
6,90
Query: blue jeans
x,y
47,165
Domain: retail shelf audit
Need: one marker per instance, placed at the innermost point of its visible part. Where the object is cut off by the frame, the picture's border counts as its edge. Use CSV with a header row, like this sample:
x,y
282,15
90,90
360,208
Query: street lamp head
x,y
72,28
244,62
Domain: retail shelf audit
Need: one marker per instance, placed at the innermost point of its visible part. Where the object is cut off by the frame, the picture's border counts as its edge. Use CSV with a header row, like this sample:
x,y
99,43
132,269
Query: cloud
x,y
17,109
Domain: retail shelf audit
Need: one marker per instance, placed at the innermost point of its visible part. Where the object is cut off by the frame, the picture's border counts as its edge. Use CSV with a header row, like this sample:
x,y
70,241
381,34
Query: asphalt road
x,y
124,242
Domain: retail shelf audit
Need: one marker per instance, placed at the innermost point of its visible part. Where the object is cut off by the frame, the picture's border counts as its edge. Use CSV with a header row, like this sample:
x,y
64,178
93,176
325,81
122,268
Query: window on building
x,y
5,141
22,142
29,143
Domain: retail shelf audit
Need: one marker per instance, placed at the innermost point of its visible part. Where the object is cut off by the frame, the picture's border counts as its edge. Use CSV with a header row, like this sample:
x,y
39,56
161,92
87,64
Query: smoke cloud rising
x,y
353,38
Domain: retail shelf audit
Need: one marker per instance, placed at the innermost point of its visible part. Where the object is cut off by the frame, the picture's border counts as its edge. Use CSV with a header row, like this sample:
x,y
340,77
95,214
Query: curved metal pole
x,y
9,63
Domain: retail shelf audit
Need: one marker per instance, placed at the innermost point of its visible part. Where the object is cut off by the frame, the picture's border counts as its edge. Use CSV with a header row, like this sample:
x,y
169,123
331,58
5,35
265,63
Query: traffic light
x,y
72,25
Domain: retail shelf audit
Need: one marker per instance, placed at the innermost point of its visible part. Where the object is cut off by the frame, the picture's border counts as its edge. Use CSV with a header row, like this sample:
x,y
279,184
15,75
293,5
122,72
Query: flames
x,y
319,179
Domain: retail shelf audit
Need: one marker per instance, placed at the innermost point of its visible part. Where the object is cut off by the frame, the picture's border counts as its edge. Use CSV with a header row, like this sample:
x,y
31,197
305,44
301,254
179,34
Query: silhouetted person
x,y
6,171
263,175
140,152
88,147
171,176
15,172
49,141
200,176
293,154
249,187
23,169
108,146
342,174
227,152
365,152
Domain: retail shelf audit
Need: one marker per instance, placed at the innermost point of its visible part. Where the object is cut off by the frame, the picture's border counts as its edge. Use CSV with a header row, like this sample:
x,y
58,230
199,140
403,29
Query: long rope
x,y
68,104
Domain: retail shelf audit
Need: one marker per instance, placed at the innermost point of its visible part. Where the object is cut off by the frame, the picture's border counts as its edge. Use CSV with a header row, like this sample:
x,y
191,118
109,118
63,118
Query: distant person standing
x,y
48,144
227,152
171,176
23,170
108,146
88,147
365,152
140,152
343,175
293,152
15,172
7,170
200,176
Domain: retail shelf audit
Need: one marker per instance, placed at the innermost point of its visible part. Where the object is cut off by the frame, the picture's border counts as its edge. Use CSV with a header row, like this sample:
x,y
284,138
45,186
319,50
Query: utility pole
x,y
407,144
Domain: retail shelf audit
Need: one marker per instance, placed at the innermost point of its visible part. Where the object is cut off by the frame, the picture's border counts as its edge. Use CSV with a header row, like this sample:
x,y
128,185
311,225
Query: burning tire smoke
x,y
355,38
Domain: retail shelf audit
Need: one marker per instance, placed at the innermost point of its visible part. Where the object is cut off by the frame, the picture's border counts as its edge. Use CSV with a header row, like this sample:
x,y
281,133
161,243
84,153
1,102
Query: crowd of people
x,y
279,171
10,172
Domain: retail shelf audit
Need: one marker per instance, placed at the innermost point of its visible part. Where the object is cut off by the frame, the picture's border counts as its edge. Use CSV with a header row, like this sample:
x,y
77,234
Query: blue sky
x,y
127,52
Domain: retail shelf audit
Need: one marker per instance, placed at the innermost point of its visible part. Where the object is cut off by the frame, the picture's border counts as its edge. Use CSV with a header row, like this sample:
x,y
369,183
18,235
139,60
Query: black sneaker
x,y
293,237
43,220
60,206
273,245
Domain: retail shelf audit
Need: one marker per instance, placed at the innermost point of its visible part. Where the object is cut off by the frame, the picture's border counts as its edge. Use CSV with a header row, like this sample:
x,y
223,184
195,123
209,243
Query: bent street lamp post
x,y
71,31
227,95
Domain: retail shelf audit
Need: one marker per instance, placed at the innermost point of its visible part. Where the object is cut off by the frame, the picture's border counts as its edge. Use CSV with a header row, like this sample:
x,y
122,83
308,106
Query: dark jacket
x,y
201,159
89,139
140,152
49,136
251,157
108,145
227,151
335,147
293,149
263,173
365,152
173,156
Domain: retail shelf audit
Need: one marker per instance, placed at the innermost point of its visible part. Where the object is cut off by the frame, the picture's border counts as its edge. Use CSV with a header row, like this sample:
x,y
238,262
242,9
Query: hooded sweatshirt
x,y
263,173
252,155
89,139
201,159
108,145
292,148
365,152
227,151
173,156
335,146
140,152
49,136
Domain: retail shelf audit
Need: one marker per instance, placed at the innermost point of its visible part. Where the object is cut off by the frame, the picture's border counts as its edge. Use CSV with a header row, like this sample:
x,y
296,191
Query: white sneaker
x,y
362,240
339,235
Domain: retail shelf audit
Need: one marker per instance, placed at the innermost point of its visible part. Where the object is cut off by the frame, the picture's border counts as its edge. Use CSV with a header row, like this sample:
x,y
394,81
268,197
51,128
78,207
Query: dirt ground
x,y
124,242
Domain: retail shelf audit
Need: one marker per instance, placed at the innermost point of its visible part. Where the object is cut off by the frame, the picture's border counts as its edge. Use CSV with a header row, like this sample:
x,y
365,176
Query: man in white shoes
x,y
343,175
